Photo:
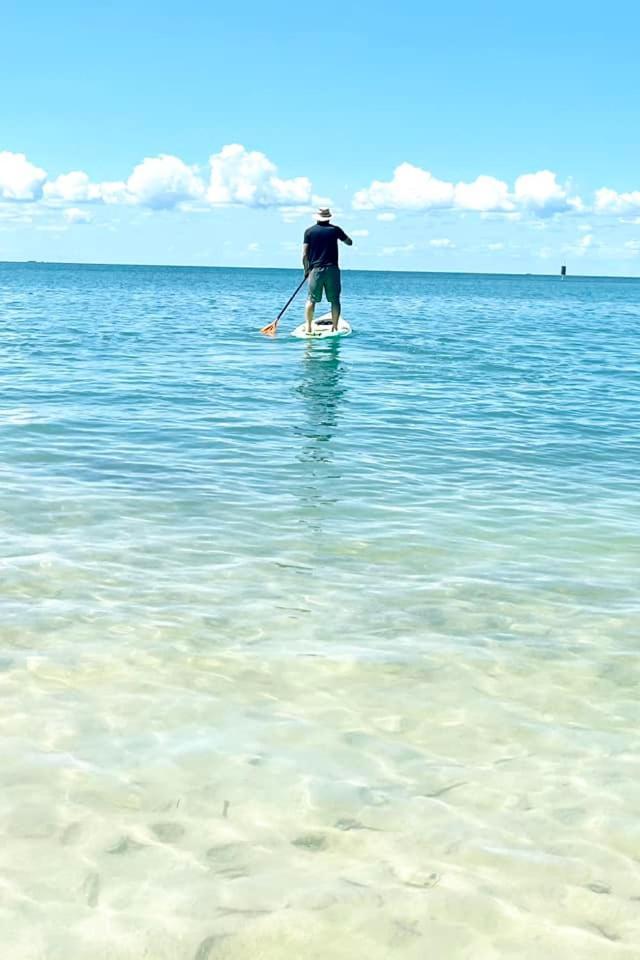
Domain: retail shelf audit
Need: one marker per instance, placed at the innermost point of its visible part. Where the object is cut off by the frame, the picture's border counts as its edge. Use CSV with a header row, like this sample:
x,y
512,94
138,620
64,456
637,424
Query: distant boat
x,y
563,271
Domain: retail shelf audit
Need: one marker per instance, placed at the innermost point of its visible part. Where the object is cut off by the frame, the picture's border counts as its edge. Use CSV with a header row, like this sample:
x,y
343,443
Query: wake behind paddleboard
x,y
322,328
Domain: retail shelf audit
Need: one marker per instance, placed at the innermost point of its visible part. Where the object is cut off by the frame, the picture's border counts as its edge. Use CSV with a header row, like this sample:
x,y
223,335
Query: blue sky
x,y
494,136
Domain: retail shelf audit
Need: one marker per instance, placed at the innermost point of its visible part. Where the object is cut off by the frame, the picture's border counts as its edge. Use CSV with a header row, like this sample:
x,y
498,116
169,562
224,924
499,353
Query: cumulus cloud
x,y
74,187
610,201
75,215
248,177
157,182
443,242
19,178
412,188
485,194
237,176
163,182
540,193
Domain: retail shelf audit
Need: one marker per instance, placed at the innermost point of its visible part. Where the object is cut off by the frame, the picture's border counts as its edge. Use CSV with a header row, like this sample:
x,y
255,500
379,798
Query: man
x,y
320,262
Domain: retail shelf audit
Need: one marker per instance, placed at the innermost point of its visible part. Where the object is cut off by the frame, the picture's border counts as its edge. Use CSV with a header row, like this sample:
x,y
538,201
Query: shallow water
x,y
318,650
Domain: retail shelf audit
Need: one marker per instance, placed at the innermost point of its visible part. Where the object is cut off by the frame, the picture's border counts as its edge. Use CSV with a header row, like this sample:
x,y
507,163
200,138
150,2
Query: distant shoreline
x,y
199,266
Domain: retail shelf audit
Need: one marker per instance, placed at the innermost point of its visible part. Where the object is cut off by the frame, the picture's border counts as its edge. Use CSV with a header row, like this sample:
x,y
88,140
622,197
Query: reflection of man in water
x,y
321,390
320,262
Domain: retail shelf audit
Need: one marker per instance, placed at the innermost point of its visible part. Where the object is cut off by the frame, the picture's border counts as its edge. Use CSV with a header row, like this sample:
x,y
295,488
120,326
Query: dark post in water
x,y
563,271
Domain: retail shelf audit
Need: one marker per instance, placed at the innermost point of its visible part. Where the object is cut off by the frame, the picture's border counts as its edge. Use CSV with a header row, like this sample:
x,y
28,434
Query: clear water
x,y
318,649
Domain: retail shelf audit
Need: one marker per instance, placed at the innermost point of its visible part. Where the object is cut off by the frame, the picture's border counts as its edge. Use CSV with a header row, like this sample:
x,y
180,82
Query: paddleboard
x,y
322,328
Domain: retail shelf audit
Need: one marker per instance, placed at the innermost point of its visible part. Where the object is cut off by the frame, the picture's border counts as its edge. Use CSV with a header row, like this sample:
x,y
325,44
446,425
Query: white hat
x,y
323,215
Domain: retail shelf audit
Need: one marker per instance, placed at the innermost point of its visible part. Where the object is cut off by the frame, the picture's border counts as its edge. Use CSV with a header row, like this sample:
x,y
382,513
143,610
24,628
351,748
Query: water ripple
x,y
295,632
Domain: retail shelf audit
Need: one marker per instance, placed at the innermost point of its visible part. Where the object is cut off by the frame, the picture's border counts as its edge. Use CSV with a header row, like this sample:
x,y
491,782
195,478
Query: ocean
x,y
318,650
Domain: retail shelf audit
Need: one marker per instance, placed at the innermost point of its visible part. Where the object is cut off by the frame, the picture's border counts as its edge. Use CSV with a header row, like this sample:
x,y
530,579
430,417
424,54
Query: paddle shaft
x,y
292,297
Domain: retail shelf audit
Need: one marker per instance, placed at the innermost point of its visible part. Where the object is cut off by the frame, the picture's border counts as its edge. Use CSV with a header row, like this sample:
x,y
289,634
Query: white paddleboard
x,y
322,328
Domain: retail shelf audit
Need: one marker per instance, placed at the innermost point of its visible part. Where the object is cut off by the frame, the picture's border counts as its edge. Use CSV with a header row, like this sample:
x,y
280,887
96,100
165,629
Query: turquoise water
x,y
318,649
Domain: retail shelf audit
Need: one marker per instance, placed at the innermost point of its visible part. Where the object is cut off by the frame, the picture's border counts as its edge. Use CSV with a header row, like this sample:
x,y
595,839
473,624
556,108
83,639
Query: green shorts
x,y
327,280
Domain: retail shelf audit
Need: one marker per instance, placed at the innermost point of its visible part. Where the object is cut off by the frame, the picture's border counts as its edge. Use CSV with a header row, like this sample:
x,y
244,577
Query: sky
x,y
498,137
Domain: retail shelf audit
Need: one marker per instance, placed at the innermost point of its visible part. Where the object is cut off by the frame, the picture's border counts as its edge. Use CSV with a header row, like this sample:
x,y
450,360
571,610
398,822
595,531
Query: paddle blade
x,y
270,329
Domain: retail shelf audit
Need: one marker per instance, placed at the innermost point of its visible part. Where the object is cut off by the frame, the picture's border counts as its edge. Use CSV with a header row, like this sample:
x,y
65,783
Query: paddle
x,y
270,329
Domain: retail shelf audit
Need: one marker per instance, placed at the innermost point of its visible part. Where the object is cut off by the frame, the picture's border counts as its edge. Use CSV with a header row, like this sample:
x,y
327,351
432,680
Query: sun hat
x,y
323,215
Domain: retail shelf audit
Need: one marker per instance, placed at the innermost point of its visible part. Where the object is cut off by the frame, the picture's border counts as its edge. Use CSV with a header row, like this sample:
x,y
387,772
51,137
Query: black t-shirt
x,y
323,244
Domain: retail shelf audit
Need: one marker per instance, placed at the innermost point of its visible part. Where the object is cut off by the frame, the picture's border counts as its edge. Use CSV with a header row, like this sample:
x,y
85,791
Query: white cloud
x,y
484,194
19,178
253,247
74,187
75,215
610,201
115,191
157,182
586,241
412,188
541,194
495,246
163,182
249,178
633,245
359,233
237,176
386,217
442,242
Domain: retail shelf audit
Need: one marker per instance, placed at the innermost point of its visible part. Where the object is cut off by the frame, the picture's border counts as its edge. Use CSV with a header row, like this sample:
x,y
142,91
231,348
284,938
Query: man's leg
x,y
332,287
314,296
309,311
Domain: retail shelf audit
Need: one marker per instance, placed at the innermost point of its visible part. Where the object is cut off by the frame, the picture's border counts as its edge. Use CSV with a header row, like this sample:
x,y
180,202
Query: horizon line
x,y
202,266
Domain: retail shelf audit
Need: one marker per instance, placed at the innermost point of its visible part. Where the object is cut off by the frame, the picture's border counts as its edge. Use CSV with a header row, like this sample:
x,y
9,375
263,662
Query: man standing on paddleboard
x,y
320,262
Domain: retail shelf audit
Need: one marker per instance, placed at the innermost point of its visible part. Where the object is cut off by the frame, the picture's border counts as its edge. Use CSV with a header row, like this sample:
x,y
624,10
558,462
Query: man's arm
x,y
345,239
305,258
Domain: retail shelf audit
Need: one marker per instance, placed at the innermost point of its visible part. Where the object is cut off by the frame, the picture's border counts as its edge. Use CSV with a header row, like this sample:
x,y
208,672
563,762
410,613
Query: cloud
x,y
157,182
237,176
359,233
74,187
386,217
541,194
495,246
164,182
610,201
584,244
484,194
19,179
442,242
633,245
412,188
240,176
75,215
